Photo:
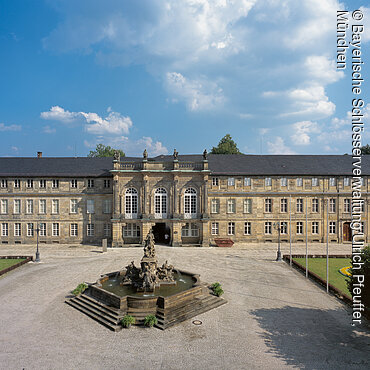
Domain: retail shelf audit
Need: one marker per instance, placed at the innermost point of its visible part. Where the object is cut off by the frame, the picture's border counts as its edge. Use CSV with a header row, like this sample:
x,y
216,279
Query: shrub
x,y
150,321
80,289
218,291
127,321
215,285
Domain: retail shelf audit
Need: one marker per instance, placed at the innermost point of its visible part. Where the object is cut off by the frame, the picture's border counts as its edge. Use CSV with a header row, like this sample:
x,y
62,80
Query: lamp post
x,y
37,243
277,227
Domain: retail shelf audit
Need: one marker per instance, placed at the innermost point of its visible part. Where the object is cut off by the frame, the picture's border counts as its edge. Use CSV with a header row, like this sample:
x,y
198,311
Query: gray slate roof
x,y
219,164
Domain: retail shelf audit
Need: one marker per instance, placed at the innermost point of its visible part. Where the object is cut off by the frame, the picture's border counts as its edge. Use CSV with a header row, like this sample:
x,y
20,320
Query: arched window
x,y
160,203
131,203
190,203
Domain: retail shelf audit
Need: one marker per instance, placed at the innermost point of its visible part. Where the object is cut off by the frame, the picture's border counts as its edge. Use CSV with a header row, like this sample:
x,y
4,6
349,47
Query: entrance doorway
x,y
347,232
160,231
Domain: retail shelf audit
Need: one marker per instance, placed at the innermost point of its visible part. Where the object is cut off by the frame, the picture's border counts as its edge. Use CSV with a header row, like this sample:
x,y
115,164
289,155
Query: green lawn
x,y
318,266
7,262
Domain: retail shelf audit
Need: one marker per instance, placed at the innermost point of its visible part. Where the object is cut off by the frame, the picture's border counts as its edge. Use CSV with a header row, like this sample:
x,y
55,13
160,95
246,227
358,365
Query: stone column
x,y
205,233
175,200
116,196
145,196
205,198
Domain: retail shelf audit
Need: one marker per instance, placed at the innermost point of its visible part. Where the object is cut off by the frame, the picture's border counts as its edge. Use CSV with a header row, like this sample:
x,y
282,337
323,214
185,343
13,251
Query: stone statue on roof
x,y
175,154
145,154
205,154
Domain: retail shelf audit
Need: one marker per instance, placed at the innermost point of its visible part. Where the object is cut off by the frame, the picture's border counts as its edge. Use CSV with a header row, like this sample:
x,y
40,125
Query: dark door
x,y
161,233
347,232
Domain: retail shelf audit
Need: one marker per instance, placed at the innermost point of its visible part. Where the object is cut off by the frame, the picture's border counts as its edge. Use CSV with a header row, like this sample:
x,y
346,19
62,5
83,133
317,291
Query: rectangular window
x,y
268,227
247,228
299,205
74,230
247,206
215,206
17,229
29,206
214,181
315,181
231,228
332,205
107,206
315,205
4,229
55,206
4,183
283,228
90,206
315,227
55,184
17,206
131,231
55,229
268,205
347,181
42,206
107,183
231,181
247,181
299,181
362,228
107,232
214,228
73,205
299,227
29,183
4,206
332,181
231,206
90,183
74,183
17,183
268,181
42,183
42,229
347,205
90,229
284,205
30,229
332,227
283,181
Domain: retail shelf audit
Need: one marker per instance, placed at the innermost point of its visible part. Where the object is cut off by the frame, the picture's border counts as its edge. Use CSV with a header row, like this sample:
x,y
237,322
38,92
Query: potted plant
x,y
217,289
127,321
150,321
80,289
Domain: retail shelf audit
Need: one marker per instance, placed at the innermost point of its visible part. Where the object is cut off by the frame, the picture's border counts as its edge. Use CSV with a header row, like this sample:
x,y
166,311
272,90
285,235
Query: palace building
x,y
186,199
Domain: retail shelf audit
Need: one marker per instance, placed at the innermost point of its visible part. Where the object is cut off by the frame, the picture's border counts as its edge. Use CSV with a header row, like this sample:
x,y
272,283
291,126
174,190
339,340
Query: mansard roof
x,y
219,164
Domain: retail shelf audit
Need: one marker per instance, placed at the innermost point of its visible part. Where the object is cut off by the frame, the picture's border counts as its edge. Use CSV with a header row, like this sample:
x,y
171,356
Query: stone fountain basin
x,y
140,301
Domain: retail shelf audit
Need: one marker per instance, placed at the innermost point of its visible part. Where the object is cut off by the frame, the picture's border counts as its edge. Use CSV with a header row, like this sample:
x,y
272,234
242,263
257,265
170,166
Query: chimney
x,y
39,154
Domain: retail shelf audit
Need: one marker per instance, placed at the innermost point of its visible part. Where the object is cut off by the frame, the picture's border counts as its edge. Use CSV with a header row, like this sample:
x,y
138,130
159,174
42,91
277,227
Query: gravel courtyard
x,y
274,319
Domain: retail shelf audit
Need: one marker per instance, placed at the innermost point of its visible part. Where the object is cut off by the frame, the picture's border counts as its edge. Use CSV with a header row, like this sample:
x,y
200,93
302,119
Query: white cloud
x,y
14,148
153,147
278,147
322,69
4,127
302,130
49,130
57,113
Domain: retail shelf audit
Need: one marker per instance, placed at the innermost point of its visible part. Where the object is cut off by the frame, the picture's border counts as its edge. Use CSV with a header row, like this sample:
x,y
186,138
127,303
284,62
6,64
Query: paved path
x,y
275,318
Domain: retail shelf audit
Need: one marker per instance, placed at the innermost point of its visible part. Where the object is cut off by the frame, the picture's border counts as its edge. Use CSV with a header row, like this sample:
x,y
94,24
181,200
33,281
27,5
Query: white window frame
x,y
55,206
74,183
214,228
107,230
315,205
42,206
73,206
283,205
283,182
283,228
160,203
190,203
231,181
29,206
106,183
346,181
17,183
17,206
347,205
231,206
247,205
247,228
332,181
107,206
299,207
332,227
42,229
215,181
315,227
55,229
17,229
4,183
73,229
247,181
4,229
231,228
42,184
4,206
299,228
332,205
268,181
30,229
215,205
190,230
90,183
268,205
29,183
131,203
90,229
131,230
268,228
299,182
90,206
315,181
55,184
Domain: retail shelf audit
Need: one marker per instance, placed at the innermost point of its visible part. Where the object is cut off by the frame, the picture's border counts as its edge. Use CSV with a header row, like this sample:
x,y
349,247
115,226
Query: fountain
x,y
172,295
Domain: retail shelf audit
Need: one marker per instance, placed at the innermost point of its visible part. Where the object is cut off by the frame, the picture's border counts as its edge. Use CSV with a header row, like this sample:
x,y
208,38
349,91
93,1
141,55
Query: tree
x,y
226,146
365,149
104,151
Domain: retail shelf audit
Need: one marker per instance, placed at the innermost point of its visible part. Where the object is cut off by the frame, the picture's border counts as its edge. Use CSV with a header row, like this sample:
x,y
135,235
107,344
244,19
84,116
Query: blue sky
x,y
165,74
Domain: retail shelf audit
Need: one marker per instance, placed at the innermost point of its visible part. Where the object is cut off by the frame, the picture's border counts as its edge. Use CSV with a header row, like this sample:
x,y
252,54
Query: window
x,y
214,228
4,229
107,183
283,228
268,205
30,229
315,227
55,229
73,206
362,181
4,183
347,205
107,206
214,181
90,183
268,227
284,205
190,230
90,206
362,228
231,181
55,206
299,227
42,229
42,206
42,183
4,206
90,229
299,205
231,228
332,227
74,230
215,206
247,181
332,205
315,205
17,183
131,202
268,181
17,206
29,207
231,206
107,230
131,231
190,202
73,185
160,203
247,228
347,181
299,181
315,181
332,181
247,206
29,183
55,184
17,229
283,181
